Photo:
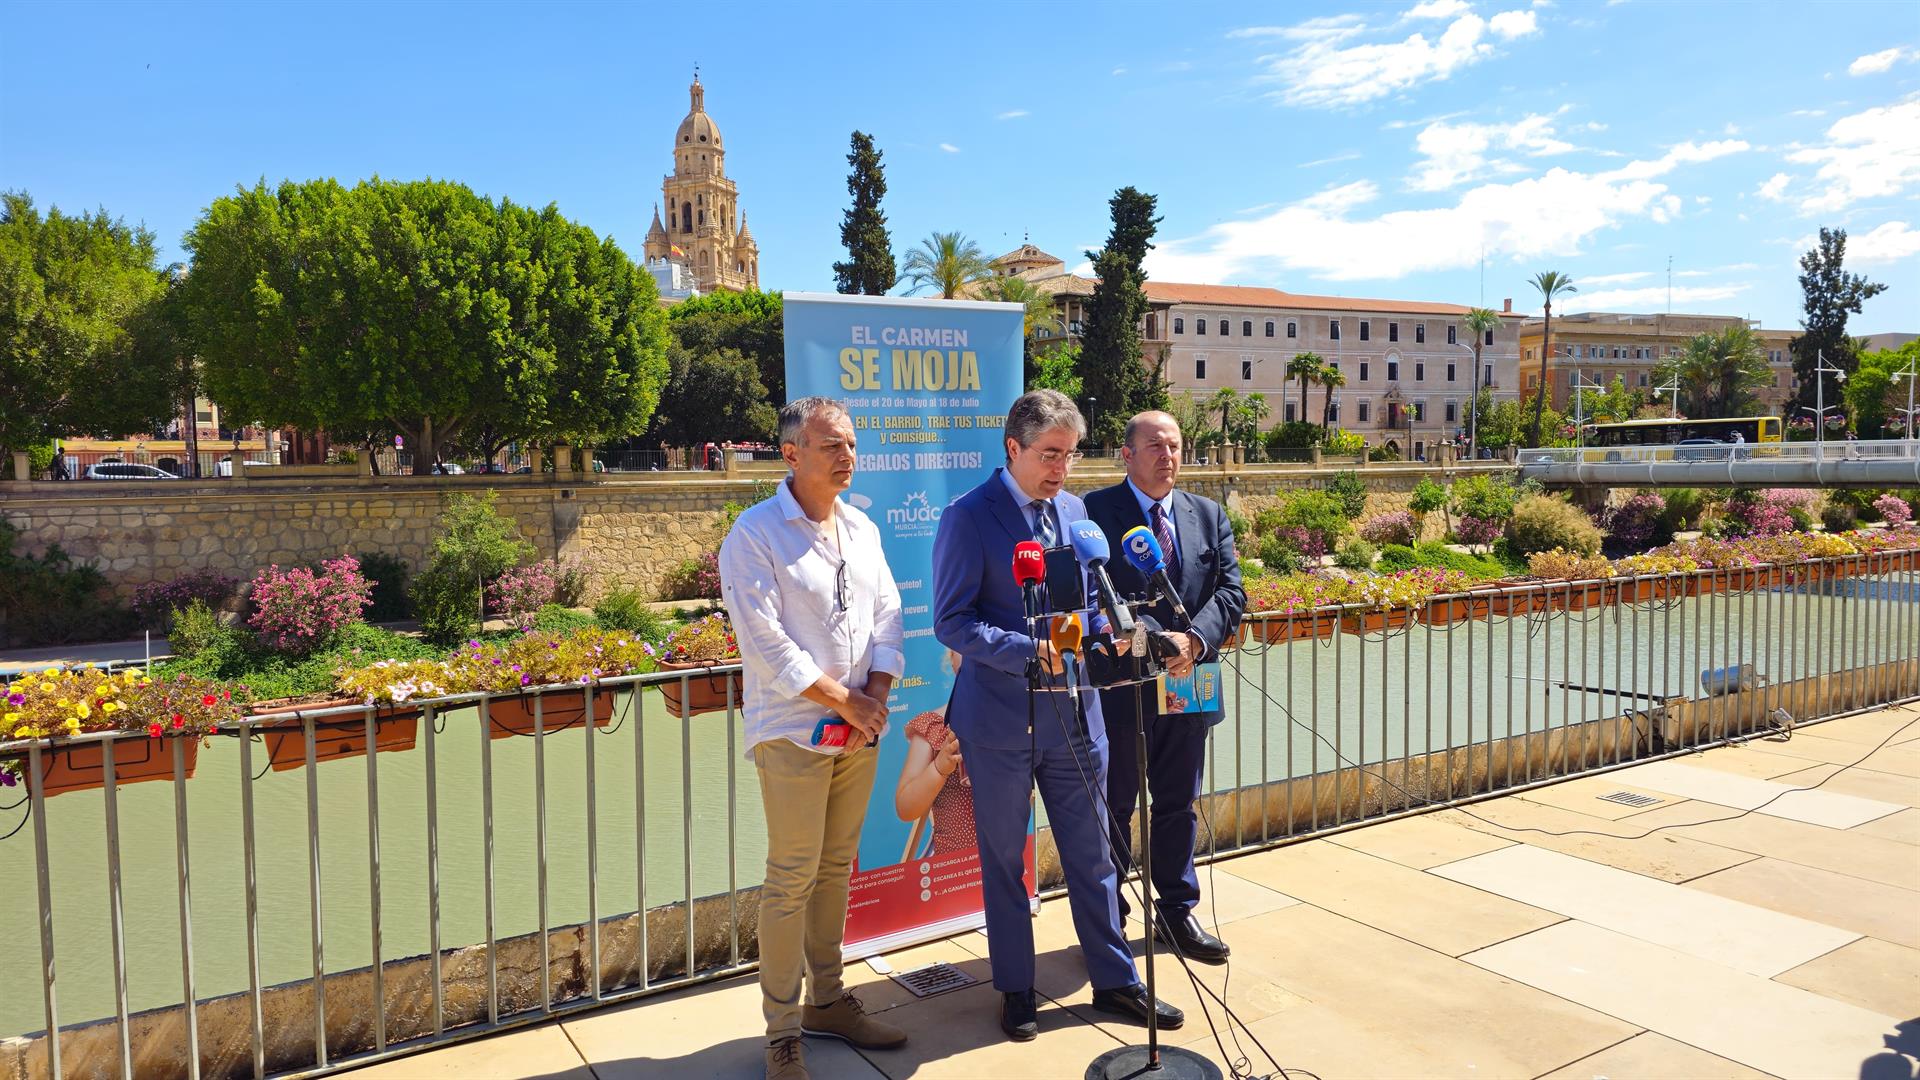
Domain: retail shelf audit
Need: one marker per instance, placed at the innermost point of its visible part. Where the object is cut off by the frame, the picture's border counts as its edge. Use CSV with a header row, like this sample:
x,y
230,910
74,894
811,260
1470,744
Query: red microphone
x,y
1029,570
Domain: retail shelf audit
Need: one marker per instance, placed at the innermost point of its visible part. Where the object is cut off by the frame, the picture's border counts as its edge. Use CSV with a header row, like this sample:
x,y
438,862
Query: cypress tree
x,y
1831,294
869,267
1110,365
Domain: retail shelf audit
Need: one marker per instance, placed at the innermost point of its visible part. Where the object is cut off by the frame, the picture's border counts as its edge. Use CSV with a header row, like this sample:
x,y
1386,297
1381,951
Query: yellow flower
x,y
73,727
51,673
111,706
82,710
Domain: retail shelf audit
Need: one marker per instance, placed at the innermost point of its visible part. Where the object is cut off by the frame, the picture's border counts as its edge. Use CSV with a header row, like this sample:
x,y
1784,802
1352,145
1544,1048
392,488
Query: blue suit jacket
x,y
1207,575
978,614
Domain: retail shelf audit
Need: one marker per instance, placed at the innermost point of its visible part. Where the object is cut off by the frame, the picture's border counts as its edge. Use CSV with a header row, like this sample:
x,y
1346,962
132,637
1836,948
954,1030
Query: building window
x,y
1533,382
1452,334
1269,327
1363,371
1366,330
1419,371
1246,371
1393,331
1420,334
1199,368
1419,412
1643,378
1366,412
1489,337
1246,328
1290,412
1333,329
1200,326
1293,330
1179,325
1333,411
1488,379
1393,371
1453,412
1449,372
1223,328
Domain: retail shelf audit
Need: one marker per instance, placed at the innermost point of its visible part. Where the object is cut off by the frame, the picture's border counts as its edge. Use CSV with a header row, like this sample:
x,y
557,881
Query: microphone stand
x,y
1150,1060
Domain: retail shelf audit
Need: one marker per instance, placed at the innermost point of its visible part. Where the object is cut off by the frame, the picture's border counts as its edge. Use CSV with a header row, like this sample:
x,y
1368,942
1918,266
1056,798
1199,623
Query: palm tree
x,y
1040,314
1307,367
1332,380
948,262
1720,371
1254,411
1551,283
1223,401
1478,321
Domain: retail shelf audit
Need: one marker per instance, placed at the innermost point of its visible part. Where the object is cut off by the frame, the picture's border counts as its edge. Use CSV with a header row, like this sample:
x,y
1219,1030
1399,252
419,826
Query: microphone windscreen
x,y
1066,632
1029,563
1089,543
1142,550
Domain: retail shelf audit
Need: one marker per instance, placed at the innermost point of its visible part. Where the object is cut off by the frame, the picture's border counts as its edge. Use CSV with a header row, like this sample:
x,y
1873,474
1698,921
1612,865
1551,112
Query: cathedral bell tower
x,y
703,228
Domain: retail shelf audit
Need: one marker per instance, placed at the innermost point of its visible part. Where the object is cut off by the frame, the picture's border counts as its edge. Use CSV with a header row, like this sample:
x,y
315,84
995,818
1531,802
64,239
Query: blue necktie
x,y
1043,524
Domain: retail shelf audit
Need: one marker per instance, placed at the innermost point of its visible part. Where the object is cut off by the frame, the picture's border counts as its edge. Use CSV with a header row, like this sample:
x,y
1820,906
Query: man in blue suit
x,y
978,613
1197,542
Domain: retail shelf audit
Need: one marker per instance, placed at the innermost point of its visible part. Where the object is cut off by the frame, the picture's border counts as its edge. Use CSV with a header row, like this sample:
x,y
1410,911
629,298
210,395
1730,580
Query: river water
x,y
1374,698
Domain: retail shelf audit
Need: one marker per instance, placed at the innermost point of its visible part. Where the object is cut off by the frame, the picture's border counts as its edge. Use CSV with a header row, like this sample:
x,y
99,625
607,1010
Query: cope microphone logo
x,y
916,516
1138,546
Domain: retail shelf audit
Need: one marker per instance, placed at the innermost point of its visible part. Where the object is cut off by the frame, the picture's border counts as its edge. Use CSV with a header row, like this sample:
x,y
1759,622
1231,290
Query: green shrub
x,y
1685,506
1839,517
570,583
1357,555
51,600
1237,521
1278,556
447,605
1323,517
476,544
1266,521
1442,557
558,619
1350,490
388,573
238,657
1297,435
1429,495
626,609
1383,453
1543,523
196,629
1344,443
1511,563
1489,498
1396,557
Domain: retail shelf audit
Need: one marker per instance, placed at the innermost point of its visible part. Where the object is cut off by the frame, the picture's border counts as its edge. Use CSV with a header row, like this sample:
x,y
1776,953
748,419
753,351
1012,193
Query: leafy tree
x,y
1224,401
715,394
1058,369
863,229
1551,283
423,308
1038,315
1330,379
1831,294
1252,411
948,263
1110,362
1190,415
1479,322
1506,422
1307,367
1880,389
83,342
1719,373
754,322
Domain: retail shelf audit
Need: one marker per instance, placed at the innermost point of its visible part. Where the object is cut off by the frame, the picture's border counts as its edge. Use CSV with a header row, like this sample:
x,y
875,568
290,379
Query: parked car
x,y
448,468
127,470
1702,450
224,467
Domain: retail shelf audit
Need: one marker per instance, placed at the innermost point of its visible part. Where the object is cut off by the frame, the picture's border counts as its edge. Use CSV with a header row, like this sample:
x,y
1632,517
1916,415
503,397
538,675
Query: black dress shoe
x,y
1131,1001
1187,935
1016,1016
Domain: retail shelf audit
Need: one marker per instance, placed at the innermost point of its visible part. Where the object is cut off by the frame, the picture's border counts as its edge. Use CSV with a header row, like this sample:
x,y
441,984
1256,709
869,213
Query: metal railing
x,y
1830,451
478,884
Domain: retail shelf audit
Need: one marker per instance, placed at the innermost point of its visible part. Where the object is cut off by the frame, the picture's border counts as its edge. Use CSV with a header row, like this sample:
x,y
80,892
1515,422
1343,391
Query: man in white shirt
x,y
817,615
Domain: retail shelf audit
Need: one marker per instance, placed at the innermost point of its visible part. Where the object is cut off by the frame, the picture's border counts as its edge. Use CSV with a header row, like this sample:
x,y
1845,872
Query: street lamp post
x,y
1820,368
1671,388
1473,403
1911,375
1580,406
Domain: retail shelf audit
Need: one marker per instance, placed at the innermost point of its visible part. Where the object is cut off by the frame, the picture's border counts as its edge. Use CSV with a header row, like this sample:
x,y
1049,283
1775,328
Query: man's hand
x,y
1187,652
1050,657
865,714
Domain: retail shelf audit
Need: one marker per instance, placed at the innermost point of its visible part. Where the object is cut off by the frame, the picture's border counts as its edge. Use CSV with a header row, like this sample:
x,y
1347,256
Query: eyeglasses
x,y
1050,458
840,587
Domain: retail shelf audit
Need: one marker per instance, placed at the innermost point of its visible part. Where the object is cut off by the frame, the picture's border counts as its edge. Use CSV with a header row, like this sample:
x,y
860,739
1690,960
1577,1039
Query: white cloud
x,y
1011,114
949,148
1654,297
1452,154
1331,235
1890,242
1438,9
1808,112
1774,190
1703,200
1329,68
1616,279
1348,156
1869,155
1686,153
1119,71
1875,63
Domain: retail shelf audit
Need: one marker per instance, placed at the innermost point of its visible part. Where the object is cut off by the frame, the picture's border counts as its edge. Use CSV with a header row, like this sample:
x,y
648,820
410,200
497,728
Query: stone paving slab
x,y
1671,855
1866,783
1903,827
1649,1056
1864,907
1875,975
1819,807
1419,842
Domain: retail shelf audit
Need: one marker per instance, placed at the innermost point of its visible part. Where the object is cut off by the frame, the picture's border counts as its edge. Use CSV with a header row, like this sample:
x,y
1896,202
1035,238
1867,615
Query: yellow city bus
x,y
1704,440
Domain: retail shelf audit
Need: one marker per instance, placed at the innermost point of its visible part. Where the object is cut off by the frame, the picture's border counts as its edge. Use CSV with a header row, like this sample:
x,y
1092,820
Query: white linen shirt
x,y
778,573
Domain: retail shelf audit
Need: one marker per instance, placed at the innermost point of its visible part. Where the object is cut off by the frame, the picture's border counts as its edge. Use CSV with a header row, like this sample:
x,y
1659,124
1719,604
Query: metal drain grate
x,y
1628,798
934,979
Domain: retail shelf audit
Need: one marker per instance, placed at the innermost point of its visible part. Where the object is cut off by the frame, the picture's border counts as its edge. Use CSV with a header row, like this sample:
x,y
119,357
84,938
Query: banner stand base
x,y
1131,1063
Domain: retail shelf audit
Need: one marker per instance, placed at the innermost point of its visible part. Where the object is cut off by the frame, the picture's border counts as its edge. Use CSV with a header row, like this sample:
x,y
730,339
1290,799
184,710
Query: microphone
x,y
1029,570
1142,549
1090,546
1066,634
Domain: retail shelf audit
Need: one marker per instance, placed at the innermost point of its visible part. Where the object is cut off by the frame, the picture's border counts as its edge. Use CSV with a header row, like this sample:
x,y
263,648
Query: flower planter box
x,y
1371,622
705,691
1703,582
559,710
1278,628
1455,609
1528,601
83,767
344,735
1576,595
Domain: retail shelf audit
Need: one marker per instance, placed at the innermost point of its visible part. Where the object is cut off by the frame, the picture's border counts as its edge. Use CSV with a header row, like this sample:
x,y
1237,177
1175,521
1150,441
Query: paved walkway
x,y
1784,943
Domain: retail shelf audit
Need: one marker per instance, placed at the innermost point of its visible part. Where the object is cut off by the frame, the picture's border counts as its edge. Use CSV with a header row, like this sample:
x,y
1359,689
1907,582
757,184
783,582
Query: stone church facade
x,y
703,229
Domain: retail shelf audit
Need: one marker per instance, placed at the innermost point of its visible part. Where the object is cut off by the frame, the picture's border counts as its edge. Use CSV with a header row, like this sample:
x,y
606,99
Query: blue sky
x,y
1357,149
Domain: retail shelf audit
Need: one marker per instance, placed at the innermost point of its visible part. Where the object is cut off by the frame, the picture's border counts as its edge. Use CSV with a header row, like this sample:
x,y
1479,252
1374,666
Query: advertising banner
x,y
928,384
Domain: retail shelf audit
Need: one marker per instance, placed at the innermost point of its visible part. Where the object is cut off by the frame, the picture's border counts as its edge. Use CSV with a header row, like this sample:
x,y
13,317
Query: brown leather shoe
x,y
787,1059
846,1019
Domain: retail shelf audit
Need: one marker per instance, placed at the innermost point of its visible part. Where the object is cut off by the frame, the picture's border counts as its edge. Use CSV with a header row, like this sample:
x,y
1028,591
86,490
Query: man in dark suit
x,y
1198,544
978,613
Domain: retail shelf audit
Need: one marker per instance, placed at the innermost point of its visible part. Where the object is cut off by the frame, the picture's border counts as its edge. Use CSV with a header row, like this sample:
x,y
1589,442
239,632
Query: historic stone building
x,y
704,229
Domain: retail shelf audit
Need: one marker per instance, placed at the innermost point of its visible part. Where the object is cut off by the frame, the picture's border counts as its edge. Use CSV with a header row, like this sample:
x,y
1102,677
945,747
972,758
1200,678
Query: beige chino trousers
x,y
815,804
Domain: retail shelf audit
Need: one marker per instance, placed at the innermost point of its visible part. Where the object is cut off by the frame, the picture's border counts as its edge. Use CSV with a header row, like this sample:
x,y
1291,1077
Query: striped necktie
x,y
1043,530
1163,532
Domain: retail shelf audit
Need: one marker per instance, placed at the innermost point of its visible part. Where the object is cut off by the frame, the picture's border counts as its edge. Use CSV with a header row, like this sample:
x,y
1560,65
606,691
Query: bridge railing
x,y
1831,450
